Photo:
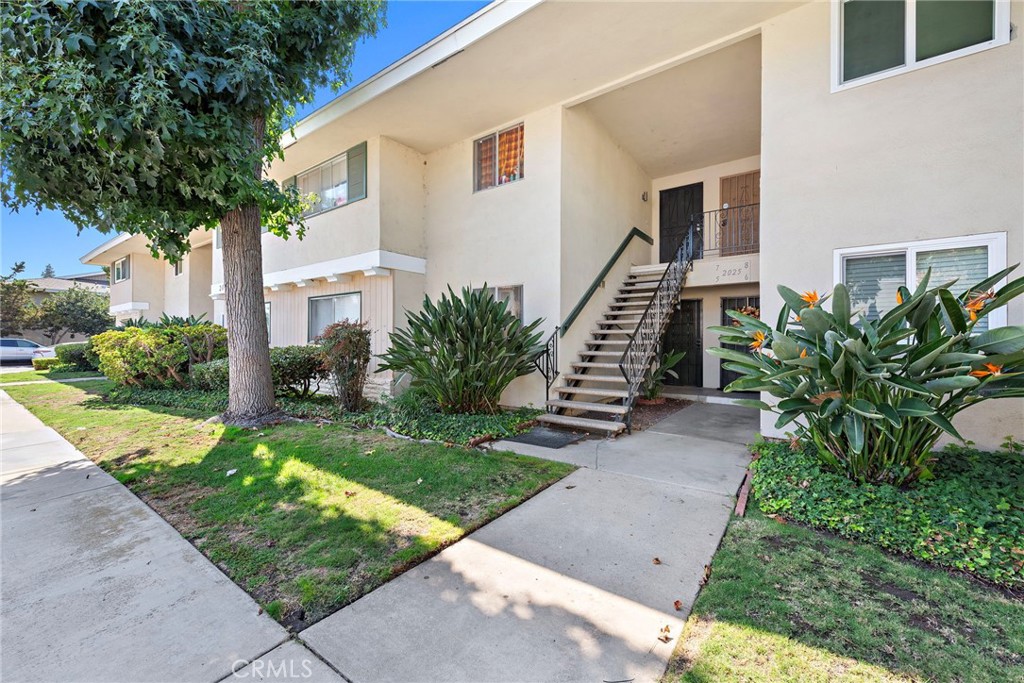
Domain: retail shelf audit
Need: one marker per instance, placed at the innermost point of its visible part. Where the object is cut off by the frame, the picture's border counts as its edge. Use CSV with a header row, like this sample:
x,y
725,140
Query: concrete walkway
x,y
96,586
564,587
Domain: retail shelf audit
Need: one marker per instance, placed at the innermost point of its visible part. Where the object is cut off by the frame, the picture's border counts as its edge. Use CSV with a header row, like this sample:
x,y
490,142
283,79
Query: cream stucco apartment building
x,y
814,142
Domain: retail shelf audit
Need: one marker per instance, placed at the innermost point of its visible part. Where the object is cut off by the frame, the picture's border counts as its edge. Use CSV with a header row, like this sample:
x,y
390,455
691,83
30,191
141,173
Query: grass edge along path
x,y
305,517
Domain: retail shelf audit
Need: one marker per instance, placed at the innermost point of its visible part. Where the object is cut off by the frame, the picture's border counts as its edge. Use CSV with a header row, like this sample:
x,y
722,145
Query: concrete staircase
x,y
594,397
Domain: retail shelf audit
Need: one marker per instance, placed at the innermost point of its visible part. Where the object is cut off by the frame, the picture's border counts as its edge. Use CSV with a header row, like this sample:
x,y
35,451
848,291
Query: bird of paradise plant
x,y
874,396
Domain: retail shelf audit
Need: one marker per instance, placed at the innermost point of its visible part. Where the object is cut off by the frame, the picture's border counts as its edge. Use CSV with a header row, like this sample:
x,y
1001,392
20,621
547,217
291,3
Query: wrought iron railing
x,y
729,232
635,361
547,362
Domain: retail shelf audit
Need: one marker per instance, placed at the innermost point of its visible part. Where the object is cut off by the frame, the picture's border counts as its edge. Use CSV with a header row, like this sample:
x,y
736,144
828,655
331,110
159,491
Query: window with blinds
x,y
512,295
874,279
327,310
334,183
878,36
498,158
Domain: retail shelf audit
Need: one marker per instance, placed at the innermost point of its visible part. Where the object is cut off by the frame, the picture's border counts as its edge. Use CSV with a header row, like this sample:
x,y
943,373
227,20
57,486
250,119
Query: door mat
x,y
548,437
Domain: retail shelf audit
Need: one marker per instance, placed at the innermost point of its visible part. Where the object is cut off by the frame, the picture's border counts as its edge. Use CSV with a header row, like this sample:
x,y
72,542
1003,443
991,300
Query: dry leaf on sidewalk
x,y
678,604
657,560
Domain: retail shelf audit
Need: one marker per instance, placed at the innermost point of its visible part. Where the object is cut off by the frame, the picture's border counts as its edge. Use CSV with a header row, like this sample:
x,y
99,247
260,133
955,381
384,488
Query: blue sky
x,y
39,239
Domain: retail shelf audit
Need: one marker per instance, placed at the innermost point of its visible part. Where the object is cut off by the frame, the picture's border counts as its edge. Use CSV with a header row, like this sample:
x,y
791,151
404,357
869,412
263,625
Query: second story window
x,y
121,269
179,267
336,182
498,158
878,38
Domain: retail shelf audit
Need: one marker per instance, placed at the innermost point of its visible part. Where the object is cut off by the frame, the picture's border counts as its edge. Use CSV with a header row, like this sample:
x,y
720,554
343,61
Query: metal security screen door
x,y
677,208
735,303
684,334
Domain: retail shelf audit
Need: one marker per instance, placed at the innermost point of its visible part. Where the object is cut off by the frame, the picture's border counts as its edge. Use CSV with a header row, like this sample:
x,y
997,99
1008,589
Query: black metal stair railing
x,y
547,363
636,360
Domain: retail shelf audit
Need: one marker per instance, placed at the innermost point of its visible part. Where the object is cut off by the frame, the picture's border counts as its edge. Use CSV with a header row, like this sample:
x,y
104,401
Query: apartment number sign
x,y
734,272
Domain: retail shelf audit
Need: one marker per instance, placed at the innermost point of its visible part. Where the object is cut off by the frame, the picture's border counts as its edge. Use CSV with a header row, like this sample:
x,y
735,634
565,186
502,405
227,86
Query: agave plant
x,y
464,351
874,396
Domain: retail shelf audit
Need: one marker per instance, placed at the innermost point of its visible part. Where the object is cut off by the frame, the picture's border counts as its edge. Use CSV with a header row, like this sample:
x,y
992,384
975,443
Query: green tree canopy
x,y
158,118
17,311
74,311
48,271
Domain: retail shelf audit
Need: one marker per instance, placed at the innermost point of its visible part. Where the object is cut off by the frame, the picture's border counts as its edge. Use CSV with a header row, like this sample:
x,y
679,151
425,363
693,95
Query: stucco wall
x,y
602,200
932,153
507,235
402,198
176,288
199,268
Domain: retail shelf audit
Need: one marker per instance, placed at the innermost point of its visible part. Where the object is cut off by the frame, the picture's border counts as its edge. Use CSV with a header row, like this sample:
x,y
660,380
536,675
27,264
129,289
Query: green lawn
x,y
35,375
310,517
785,603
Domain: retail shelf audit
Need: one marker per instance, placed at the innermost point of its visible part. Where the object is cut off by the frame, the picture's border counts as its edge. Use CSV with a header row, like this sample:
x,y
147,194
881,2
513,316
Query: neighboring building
x,y
43,287
814,142
144,287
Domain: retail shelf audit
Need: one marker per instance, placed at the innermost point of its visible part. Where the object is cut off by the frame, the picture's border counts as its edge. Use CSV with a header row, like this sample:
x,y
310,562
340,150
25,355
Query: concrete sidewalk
x,y
564,587
97,587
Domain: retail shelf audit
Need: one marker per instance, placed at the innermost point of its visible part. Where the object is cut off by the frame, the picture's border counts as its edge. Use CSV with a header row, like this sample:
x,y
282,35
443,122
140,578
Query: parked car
x,y
12,349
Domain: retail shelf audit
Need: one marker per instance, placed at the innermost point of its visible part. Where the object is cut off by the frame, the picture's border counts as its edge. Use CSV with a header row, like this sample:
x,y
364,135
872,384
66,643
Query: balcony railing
x,y
728,232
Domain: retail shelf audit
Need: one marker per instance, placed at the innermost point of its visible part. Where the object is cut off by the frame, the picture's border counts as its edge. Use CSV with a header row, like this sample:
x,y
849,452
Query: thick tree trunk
x,y
251,388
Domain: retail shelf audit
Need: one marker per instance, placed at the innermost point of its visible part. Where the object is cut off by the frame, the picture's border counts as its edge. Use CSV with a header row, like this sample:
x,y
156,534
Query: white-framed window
x,y
336,182
498,158
327,310
121,269
512,295
873,274
178,267
875,39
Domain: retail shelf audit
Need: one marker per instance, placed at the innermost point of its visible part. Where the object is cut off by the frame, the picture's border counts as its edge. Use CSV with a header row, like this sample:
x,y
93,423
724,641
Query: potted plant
x,y
654,382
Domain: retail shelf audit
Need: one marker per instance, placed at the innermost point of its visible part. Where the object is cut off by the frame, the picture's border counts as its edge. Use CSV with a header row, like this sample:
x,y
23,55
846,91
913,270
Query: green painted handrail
x,y
585,299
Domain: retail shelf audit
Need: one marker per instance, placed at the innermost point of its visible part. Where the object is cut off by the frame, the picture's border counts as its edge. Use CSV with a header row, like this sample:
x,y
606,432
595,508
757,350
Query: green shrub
x,y
345,350
211,376
874,397
64,367
44,363
464,351
298,370
76,355
970,516
158,356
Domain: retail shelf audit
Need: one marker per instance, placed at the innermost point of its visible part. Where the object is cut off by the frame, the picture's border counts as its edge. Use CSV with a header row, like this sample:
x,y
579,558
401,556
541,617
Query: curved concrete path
x,y
95,586
564,587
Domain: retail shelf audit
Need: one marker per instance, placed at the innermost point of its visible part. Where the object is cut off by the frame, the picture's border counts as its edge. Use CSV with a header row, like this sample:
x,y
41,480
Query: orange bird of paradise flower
x,y
899,297
990,370
811,298
975,305
758,342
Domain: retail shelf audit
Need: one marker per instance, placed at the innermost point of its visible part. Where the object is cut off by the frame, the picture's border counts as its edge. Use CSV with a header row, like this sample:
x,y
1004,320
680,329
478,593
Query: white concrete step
x,y
590,364
628,333
619,321
610,408
639,295
594,378
630,287
583,423
606,342
609,354
593,391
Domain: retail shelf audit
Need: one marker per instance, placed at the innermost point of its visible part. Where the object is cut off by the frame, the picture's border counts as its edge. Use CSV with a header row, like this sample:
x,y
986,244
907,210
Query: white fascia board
x,y
106,246
451,42
333,270
129,306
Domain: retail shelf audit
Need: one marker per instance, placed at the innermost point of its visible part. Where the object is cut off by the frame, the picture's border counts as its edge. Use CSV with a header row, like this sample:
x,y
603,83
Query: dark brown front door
x,y
740,227
677,207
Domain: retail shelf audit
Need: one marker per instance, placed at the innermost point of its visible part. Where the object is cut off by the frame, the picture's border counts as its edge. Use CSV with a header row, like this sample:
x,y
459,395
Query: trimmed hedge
x,y
76,355
297,372
969,517
44,363
158,356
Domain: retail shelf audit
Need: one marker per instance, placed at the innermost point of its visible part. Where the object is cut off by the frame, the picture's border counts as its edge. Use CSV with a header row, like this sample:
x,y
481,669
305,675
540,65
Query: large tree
x,y
159,118
17,310
73,311
48,271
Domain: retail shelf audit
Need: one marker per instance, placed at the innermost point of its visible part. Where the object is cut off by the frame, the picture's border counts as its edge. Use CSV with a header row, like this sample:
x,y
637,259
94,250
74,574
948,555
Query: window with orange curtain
x,y
499,158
